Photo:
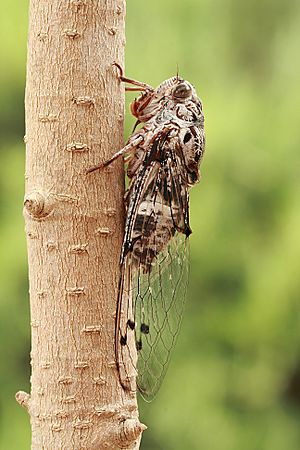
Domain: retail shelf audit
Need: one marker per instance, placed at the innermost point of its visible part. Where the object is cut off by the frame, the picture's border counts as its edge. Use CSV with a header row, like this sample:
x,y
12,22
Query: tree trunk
x,y
74,226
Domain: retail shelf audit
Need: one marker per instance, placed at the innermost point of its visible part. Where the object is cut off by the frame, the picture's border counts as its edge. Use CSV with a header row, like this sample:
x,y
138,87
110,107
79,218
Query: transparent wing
x,y
154,272
159,304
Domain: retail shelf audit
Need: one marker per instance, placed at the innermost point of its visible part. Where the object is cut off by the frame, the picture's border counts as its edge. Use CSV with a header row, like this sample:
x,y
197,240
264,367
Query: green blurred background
x,y
234,380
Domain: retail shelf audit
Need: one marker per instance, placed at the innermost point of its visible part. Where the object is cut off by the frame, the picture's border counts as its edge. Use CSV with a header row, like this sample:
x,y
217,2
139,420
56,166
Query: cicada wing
x,y
160,292
159,303
125,347
154,277
125,326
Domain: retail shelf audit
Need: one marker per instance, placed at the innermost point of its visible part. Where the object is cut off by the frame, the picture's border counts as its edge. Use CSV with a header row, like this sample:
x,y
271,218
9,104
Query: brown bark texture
x,y
74,225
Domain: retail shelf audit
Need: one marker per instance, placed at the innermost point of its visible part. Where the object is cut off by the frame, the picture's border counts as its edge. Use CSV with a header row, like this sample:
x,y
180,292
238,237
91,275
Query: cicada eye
x,y
182,91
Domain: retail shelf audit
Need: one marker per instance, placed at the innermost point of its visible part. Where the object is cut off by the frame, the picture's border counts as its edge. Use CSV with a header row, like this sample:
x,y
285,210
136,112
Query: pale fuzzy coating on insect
x,y
163,159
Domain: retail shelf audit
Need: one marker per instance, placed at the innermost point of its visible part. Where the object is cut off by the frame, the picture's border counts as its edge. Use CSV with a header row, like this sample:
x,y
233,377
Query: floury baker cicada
x,y
163,159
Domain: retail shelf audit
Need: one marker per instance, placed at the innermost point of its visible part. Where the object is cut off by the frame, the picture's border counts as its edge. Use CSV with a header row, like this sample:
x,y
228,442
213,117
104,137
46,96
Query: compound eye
x,y
182,91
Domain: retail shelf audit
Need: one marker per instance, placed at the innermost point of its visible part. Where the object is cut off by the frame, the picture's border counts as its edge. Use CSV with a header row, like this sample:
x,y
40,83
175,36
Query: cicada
x,y
163,158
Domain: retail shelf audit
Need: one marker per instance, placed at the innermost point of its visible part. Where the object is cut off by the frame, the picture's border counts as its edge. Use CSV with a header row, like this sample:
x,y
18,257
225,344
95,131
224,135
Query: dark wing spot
x,y
193,176
123,340
187,137
138,345
187,231
144,328
131,324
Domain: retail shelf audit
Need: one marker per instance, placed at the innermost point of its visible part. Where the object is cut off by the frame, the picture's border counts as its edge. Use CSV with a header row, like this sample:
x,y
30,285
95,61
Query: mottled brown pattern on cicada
x,y
163,159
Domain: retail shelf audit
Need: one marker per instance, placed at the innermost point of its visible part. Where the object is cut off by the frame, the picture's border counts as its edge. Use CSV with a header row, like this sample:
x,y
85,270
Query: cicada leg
x,y
139,85
128,148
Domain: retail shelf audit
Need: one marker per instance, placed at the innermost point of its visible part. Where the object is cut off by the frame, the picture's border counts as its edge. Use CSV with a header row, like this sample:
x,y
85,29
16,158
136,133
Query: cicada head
x,y
177,89
170,92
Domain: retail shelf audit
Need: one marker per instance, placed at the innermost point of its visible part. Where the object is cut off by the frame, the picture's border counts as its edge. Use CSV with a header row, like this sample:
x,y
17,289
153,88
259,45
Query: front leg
x,y
139,85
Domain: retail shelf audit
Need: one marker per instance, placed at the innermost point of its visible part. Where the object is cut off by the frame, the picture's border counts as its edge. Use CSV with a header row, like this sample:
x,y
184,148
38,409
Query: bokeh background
x,y
234,380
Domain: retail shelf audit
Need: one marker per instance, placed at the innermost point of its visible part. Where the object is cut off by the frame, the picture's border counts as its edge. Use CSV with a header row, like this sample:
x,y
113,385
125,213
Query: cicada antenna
x,y
177,73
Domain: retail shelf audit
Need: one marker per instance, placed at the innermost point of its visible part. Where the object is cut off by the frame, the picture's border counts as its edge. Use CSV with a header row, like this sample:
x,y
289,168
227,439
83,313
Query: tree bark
x,y
74,226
